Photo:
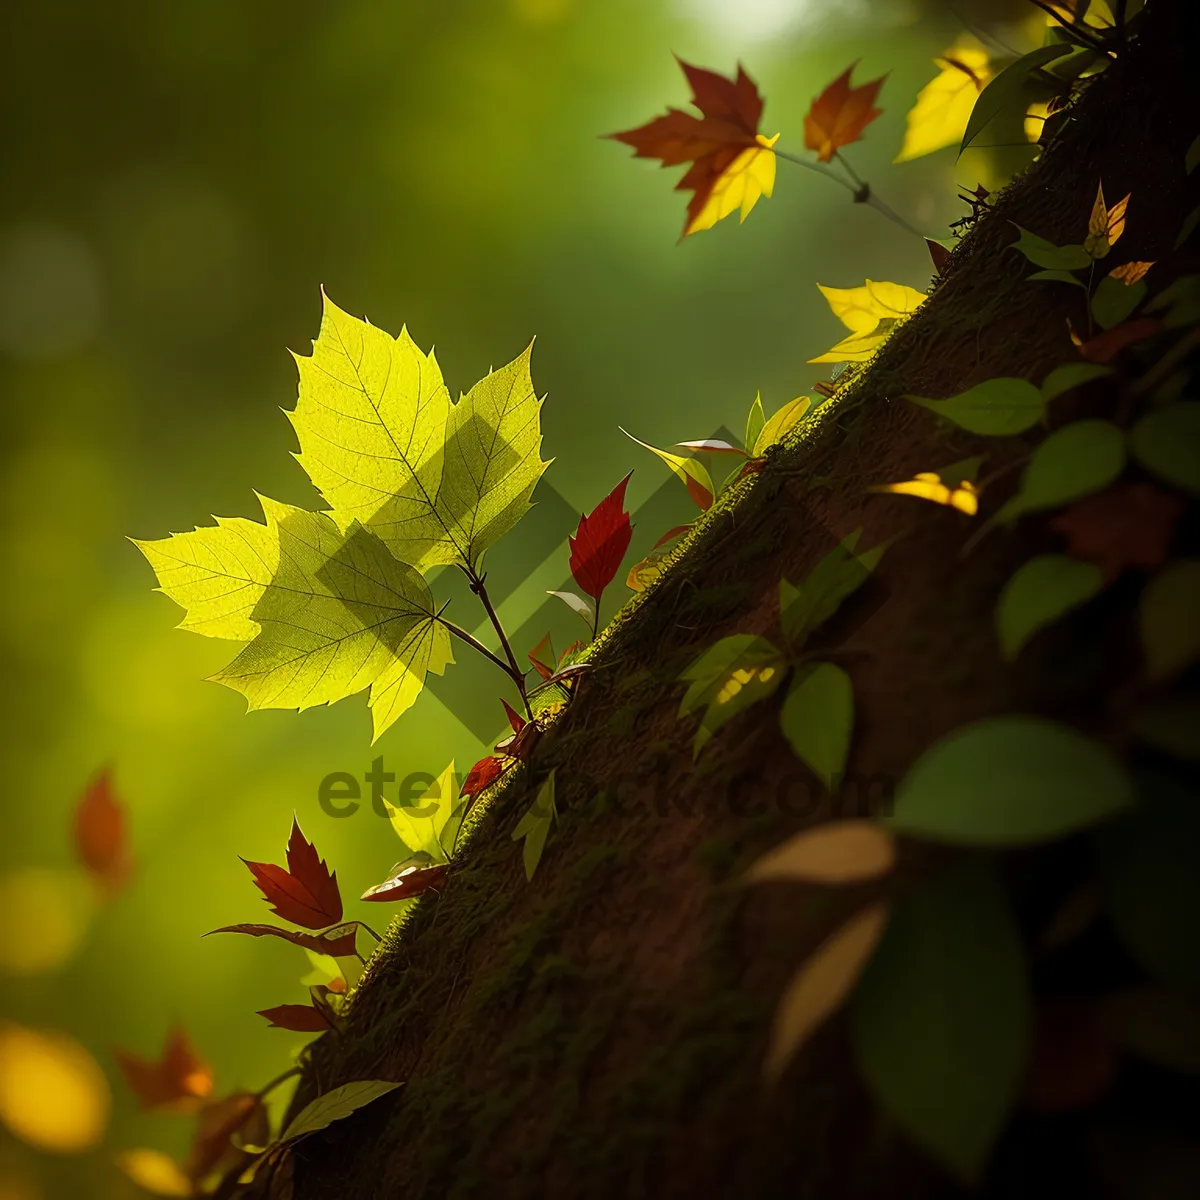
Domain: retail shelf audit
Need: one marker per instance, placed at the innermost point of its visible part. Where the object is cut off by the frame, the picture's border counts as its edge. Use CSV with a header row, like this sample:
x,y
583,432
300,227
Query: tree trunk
x,y
600,1032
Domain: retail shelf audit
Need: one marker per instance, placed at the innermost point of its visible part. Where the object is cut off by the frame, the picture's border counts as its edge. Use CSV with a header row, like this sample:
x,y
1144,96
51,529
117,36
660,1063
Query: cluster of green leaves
x,y
817,715
329,603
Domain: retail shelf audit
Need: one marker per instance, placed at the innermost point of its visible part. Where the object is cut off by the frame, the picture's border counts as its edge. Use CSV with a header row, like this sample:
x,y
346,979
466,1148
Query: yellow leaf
x,y
154,1172
49,913
929,486
821,984
750,175
694,475
870,312
1099,15
939,117
643,574
1131,272
1105,225
53,1093
792,413
840,852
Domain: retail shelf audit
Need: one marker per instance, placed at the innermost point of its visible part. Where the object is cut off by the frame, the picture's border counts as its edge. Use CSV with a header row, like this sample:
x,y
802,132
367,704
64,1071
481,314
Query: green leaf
x,y
1009,781
1070,376
1038,593
328,613
1006,92
1188,227
335,1105
1074,461
727,679
817,719
1168,619
755,420
1191,160
998,407
428,825
380,439
780,421
1057,277
1167,443
534,826
1046,254
1172,725
577,604
694,474
1181,300
1113,301
803,608
940,1020
1151,870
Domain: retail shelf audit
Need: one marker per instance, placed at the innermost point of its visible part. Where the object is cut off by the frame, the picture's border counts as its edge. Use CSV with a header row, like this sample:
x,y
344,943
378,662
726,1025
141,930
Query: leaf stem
x,y
266,1089
479,587
858,188
370,931
475,644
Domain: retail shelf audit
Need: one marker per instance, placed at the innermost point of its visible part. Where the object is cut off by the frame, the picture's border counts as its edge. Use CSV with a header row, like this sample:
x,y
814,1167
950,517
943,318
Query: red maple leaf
x,y
1129,525
731,110
839,115
180,1080
299,1018
600,543
338,943
100,836
305,893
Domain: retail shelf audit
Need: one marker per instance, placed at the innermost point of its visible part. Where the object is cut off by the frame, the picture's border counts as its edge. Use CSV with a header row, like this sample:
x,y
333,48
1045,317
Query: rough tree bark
x,y
601,1031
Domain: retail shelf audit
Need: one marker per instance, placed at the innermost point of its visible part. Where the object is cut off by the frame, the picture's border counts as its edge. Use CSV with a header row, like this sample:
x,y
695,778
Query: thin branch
x,y
475,644
859,188
479,587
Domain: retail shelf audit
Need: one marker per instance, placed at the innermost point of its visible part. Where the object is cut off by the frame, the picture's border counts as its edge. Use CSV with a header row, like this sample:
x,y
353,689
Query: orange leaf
x,y
305,893
723,145
178,1081
1131,272
101,838
839,115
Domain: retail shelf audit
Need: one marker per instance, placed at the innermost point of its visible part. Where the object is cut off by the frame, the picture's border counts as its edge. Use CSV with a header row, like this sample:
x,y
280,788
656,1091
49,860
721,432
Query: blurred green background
x,y
178,180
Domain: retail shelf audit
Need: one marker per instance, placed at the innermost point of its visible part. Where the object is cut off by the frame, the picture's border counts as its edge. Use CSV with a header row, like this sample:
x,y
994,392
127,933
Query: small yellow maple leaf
x,y
1099,15
870,312
928,485
939,117
749,176
1131,272
1105,225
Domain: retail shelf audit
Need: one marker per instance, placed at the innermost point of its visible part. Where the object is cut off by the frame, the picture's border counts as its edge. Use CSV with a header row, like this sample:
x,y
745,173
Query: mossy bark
x,y
600,1032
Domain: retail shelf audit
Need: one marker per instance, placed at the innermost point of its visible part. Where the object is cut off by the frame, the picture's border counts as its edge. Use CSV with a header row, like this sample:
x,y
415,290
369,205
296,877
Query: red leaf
x,y
730,112
939,254
600,542
306,893
1104,347
299,1018
179,1080
483,774
514,718
539,654
334,943
101,839
1129,525
411,881
671,535
839,115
